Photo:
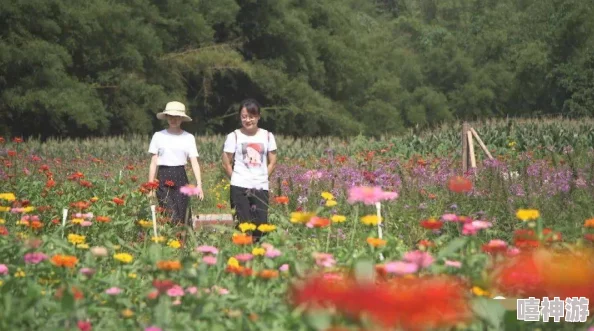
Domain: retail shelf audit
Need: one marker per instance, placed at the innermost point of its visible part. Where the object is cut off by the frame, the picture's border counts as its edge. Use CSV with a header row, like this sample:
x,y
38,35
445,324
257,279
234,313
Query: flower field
x,y
444,243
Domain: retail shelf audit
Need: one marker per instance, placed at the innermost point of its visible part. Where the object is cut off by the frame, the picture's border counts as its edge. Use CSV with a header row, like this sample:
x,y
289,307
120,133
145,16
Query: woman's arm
x,y
271,161
197,175
226,158
153,171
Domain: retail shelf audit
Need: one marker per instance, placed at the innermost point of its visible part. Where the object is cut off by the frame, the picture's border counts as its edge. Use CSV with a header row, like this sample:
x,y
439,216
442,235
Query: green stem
x,y
328,237
354,226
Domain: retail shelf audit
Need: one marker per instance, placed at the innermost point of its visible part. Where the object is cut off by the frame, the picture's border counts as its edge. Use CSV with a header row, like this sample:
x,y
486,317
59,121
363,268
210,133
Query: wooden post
x,y
471,150
464,147
480,141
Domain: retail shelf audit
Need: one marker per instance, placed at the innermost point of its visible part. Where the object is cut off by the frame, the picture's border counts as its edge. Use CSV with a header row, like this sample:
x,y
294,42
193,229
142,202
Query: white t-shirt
x,y
250,169
173,149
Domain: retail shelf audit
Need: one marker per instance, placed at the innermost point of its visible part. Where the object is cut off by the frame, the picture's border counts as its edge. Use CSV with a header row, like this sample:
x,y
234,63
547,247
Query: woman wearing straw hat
x,y
171,148
249,157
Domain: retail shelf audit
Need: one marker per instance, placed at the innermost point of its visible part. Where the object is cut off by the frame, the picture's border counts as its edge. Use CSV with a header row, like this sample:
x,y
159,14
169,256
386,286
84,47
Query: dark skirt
x,y
171,179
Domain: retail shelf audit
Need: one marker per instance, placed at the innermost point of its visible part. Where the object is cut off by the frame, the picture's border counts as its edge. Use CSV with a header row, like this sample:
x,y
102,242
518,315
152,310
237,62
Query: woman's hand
x,y
201,193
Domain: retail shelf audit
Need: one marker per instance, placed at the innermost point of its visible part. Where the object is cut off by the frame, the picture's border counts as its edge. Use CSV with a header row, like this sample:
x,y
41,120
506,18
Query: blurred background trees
x,y
332,67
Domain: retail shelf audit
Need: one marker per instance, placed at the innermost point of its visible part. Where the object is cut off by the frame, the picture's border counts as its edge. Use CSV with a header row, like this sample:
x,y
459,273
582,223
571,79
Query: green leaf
x,y
453,247
364,271
319,320
488,310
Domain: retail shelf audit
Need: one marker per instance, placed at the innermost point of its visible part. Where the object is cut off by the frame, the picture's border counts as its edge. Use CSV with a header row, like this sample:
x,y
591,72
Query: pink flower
x,y
86,223
401,267
420,258
84,325
190,190
192,290
175,291
455,264
207,249
481,224
272,253
244,257
113,291
34,258
284,268
369,195
468,229
152,328
512,251
449,217
220,290
210,260
87,271
85,216
324,260
3,269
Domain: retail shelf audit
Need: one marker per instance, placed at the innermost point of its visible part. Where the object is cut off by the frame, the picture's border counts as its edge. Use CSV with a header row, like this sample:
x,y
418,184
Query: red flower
x,y
432,224
459,184
169,183
411,304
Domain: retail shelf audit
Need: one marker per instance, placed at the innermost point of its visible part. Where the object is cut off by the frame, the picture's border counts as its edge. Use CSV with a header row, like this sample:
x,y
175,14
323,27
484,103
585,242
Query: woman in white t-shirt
x,y
171,148
249,157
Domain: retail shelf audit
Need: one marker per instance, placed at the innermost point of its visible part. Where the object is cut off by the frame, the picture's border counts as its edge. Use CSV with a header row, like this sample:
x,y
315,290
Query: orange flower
x,y
283,200
66,261
242,239
432,224
318,222
103,219
169,265
239,270
76,293
459,184
376,242
118,201
589,223
268,274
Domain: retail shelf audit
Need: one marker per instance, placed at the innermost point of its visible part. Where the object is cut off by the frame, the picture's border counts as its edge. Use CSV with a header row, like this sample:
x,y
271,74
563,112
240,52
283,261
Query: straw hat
x,y
174,108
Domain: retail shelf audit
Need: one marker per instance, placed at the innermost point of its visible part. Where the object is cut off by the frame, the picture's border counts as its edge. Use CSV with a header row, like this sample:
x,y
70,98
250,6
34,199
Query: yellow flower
x,y
123,257
145,223
82,246
331,203
327,196
480,292
132,275
28,209
19,273
258,251
247,227
127,313
77,220
266,227
511,144
2,221
232,262
94,199
76,239
1,283
4,208
527,214
158,239
174,244
300,217
370,220
338,218
7,196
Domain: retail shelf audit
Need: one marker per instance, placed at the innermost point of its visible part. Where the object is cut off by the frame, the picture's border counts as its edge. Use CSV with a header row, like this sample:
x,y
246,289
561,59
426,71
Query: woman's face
x,y
174,121
248,120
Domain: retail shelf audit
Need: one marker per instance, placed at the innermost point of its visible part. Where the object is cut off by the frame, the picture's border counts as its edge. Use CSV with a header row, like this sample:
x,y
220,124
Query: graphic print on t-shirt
x,y
253,154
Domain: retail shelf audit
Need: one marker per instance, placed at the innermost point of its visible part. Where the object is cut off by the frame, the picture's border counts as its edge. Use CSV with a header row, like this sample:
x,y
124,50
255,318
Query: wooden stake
x,y
464,147
471,150
480,142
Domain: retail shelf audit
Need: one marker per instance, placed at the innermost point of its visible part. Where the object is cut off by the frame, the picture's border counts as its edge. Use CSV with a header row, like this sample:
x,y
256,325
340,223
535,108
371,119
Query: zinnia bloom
x,y
190,190
459,184
369,195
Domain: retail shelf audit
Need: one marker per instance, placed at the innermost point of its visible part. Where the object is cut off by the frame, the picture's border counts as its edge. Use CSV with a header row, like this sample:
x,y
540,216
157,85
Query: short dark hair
x,y
252,106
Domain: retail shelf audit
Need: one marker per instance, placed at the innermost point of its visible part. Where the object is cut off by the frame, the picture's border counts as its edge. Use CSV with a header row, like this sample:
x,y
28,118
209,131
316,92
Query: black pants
x,y
251,206
171,179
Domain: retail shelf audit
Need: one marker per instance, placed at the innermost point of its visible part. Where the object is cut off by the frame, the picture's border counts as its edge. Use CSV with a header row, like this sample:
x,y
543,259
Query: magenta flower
x,y
449,217
3,269
401,268
369,195
34,258
207,249
284,268
272,253
210,260
190,190
468,229
152,328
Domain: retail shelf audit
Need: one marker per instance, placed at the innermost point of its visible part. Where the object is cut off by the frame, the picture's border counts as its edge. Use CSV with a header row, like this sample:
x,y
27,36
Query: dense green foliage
x,y
334,67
